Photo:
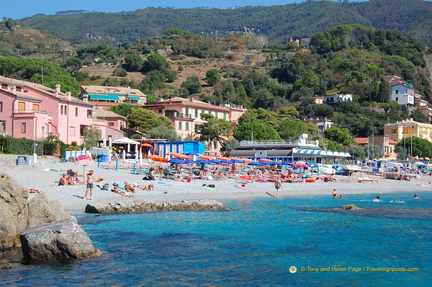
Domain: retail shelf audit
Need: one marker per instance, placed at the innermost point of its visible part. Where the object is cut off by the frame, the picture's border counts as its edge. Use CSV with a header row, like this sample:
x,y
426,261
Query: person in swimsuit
x,y
278,186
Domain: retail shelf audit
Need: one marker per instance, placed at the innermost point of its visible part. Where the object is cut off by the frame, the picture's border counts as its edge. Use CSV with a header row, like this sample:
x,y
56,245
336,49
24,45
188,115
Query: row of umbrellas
x,y
206,159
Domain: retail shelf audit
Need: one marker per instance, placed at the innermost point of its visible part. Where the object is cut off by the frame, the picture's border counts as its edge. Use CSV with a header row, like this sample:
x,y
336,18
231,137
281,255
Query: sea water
x,y
304,241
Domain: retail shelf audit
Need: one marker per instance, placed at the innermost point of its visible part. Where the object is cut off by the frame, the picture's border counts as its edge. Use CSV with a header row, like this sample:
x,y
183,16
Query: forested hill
x,y
278,23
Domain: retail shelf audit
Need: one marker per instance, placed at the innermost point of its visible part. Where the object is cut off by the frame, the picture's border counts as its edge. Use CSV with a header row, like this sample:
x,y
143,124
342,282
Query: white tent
x,y
127,141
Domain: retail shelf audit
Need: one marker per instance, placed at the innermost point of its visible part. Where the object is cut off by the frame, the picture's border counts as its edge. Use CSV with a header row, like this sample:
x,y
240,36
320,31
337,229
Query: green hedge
x,y
10,145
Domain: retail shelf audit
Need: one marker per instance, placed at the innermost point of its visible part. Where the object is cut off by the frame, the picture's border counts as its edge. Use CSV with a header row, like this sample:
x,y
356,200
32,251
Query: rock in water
x,y
17,213
138,206
61,241
349,207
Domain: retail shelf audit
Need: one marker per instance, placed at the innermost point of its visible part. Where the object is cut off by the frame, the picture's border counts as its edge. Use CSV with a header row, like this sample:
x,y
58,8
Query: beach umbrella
x,y
256,163
275,163
223,158
265,159
192,153
182,156
236,161
209,157
299,164
83,156
245,159
84,162
176,161
146,145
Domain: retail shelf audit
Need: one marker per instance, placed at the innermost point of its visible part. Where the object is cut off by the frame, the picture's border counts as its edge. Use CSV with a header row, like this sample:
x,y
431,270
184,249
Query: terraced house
x,y
33,111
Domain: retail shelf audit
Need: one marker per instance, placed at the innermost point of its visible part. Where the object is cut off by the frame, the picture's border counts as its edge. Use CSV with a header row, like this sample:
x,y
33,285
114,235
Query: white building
x,y
403,94
331,99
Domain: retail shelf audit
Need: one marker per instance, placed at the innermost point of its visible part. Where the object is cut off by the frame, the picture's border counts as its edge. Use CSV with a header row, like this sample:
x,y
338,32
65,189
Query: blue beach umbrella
x,y
256,163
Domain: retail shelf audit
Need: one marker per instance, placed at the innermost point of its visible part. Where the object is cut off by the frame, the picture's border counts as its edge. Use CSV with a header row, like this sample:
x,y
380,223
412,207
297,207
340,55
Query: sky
x,y
18,9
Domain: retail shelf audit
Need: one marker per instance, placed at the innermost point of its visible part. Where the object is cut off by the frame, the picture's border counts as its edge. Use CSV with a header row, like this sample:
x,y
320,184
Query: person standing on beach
x,y
90,182
278,186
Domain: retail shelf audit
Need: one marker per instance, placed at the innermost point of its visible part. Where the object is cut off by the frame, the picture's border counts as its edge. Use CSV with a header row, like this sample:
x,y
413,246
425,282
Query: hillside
x,y
278,23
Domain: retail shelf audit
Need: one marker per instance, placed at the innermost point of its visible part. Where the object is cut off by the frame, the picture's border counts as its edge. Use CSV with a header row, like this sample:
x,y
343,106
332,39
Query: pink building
x,y
33,111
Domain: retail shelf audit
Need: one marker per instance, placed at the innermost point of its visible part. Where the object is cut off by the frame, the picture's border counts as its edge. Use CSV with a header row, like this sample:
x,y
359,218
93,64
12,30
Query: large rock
x,y
57,241
17,213
349,207
138,206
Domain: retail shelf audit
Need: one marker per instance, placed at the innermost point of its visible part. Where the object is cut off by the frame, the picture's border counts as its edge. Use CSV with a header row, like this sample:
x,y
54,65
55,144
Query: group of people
x,y
69,178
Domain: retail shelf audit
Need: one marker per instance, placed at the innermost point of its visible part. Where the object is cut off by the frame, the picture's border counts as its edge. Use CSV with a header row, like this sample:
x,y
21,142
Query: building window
x,y
110,124
89,113
1,107
397,99
23,128
225,116
71,131
187,112
4,86
180,126
187,126
196,113
216,114
18,89
21,106
3,127
76,111
396,92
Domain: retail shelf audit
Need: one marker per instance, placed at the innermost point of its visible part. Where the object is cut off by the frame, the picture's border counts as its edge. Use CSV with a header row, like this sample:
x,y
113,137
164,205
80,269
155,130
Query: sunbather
x,y
121,192
129,187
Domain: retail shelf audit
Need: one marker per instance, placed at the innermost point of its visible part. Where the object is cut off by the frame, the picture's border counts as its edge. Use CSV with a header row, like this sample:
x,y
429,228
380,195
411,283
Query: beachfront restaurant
x,y
288,152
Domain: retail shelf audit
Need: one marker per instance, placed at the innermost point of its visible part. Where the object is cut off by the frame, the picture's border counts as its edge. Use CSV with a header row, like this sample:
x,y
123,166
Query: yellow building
x,y
408,128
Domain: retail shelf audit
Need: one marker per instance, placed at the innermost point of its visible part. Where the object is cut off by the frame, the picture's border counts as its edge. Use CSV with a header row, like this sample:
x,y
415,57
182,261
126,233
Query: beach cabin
x,y
181,147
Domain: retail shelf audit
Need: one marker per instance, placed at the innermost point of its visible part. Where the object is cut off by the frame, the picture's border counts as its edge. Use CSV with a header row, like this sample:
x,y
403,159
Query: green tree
x,y
419,116
262,115
133,63
155,62
213,129
339,135
420,148
212,77
291,129
73,64
144,120
163,132
356,151
91,136
122,109
192,85
255,131
230,145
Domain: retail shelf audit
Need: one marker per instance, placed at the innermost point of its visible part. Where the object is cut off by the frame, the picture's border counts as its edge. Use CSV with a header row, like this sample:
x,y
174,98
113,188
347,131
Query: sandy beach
x,y
44,174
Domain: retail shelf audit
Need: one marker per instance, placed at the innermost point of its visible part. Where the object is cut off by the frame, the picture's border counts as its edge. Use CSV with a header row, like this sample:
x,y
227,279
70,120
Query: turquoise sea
x,y
255,244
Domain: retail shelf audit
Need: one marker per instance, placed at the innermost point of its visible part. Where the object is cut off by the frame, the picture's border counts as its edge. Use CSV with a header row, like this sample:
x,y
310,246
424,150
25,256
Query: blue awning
x,y
297,151
104,97
134,98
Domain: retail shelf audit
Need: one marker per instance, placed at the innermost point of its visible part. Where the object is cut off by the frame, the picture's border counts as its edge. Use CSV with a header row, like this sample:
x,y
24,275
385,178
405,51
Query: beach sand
x,y
44,174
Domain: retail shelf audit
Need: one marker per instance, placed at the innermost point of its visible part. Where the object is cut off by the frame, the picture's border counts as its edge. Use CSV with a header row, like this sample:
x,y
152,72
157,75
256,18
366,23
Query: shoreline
x,y
43,176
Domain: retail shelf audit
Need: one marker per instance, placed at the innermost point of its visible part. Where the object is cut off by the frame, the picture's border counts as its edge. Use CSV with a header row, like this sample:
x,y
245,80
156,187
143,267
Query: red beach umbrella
x,y
84,162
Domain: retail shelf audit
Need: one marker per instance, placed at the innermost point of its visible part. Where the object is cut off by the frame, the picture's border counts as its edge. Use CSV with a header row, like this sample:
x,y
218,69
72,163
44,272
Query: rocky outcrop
x,y
349,207
57,241
17,213
139,206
